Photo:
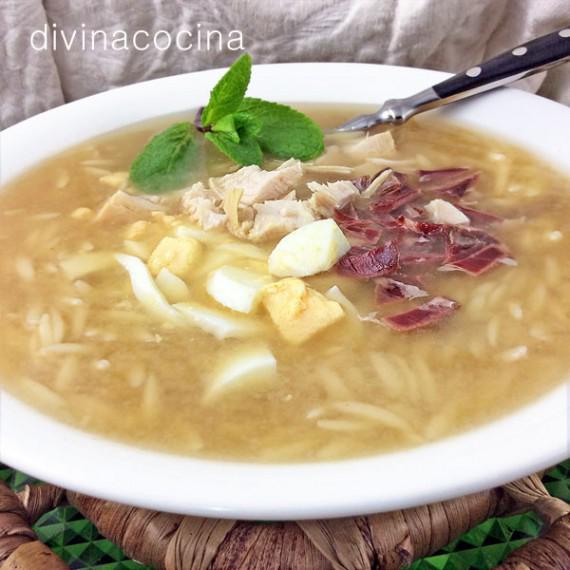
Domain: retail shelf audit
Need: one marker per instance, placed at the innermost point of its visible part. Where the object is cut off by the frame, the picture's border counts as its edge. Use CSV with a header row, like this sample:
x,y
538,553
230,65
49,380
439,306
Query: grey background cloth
x,y
439,34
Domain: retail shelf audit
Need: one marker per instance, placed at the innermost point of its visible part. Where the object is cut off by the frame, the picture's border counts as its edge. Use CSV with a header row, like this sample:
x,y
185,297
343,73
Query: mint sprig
x,y
243,128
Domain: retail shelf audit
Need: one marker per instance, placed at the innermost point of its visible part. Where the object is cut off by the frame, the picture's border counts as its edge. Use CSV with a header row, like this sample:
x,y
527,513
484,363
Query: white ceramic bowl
x,y
530,439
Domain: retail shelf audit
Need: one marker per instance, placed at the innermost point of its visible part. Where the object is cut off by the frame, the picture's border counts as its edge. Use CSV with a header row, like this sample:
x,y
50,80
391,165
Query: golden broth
x,y
86,352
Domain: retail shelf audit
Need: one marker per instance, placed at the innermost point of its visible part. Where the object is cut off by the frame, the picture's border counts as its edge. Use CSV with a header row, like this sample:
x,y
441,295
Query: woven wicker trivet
x,y
376,542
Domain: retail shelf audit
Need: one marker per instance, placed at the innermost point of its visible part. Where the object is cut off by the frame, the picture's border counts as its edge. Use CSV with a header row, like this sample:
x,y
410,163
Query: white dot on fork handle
x,y
519,51
473,72
564,33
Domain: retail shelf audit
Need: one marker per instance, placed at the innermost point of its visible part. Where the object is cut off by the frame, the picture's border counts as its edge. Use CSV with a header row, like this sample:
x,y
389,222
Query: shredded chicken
x,y
260,185
239,218
330,196
260,205
204,207
277,218
251,203
123,208
378,145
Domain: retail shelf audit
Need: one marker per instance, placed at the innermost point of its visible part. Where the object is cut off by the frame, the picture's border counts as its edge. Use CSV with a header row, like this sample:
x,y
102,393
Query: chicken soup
x,y
398,288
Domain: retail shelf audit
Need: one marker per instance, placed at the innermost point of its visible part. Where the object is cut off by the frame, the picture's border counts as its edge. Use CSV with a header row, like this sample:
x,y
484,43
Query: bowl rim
x,y
531,438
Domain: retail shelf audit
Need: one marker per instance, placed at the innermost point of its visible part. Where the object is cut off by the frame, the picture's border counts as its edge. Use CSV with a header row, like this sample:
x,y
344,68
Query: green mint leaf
x,y
283,131
166,161
246,152
245,122
229,92
228,126
235,135
237,123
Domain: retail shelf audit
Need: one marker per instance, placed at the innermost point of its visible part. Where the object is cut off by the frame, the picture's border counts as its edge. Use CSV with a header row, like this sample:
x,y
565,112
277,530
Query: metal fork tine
x,y
360,123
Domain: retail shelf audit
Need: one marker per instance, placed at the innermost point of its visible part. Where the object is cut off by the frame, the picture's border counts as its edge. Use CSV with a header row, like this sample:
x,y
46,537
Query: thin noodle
x,y
333,384
67,372
342,425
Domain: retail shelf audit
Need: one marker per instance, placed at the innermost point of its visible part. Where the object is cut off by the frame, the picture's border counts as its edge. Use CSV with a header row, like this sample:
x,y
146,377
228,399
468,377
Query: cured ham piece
x,y
362,182
346,215
478,217
425,315
423,228
394,193
473,251
422,243
368,185
464,242
480,261
362,232
384,220
401,236
451,182
413,212
424,258
358,231
390,290
368,263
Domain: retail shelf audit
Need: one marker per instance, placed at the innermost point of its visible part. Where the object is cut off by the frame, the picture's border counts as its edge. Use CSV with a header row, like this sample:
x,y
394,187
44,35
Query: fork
x,y
537,55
